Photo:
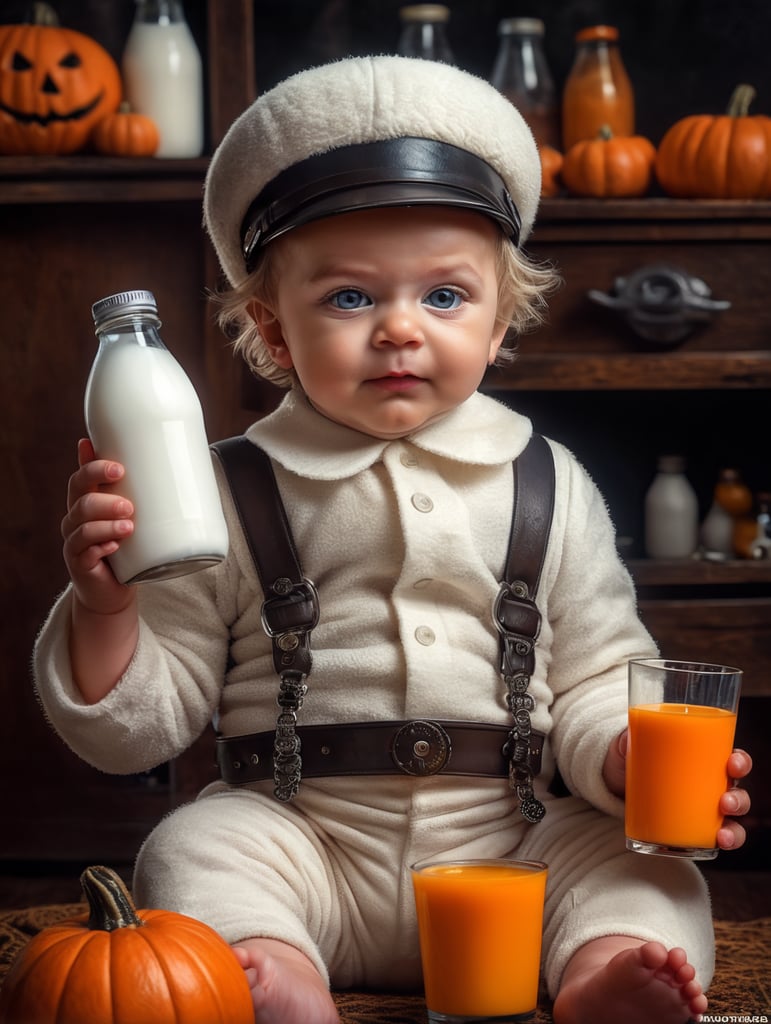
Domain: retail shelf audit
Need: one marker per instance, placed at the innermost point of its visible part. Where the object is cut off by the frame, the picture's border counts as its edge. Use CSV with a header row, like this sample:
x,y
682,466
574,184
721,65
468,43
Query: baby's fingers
x,y
92,477
86,451
739,764
97,507
87,541
731,836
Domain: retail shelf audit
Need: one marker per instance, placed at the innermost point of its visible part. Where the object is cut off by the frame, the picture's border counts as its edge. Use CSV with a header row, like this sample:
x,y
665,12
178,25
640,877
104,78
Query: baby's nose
x,y
399,325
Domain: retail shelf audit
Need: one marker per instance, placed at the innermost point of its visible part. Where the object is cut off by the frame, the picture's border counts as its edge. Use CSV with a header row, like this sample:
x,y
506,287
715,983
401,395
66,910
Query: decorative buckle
x,y
421,748
518,621
516,616
294,609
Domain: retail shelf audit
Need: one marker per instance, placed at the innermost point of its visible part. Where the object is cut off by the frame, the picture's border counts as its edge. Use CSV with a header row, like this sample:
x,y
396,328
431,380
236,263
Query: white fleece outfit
x,y
406,542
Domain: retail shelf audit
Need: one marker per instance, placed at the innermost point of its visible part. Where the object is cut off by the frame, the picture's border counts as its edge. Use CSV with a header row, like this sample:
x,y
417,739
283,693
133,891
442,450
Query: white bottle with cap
x,y
163,76
142,411
671,512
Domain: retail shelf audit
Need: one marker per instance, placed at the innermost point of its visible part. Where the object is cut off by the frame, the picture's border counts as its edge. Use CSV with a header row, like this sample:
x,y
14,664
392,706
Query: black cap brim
x,y
387,173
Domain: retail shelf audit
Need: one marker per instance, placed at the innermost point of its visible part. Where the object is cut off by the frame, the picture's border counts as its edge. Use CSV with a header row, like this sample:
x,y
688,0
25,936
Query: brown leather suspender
x,y
291,610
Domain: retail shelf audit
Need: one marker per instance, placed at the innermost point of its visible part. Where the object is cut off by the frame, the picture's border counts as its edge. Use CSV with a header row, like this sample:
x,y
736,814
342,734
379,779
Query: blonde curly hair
x,y
523,289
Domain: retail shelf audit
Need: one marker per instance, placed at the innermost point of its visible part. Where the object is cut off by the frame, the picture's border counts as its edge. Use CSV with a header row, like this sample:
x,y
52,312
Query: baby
x,y
370,216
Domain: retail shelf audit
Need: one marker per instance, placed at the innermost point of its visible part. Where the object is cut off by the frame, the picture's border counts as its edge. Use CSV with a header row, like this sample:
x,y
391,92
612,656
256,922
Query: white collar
x,y
481,431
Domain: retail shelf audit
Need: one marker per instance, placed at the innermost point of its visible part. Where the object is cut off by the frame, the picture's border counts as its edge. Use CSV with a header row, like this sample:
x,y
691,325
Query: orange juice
x,y
480,935
676,773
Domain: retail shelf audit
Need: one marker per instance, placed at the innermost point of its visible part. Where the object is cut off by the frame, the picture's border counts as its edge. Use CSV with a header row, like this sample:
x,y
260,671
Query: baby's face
x,y
388,316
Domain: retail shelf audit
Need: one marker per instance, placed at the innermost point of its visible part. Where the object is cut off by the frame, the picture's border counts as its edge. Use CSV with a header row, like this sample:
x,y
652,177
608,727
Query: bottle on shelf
x,y
598,91
671,512
163,76
752,531
731,500
142,411
424,32
732,492
717,532
521,72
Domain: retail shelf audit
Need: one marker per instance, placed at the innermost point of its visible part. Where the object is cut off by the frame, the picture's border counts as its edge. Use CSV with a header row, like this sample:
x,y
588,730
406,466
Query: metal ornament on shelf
x,y
661,303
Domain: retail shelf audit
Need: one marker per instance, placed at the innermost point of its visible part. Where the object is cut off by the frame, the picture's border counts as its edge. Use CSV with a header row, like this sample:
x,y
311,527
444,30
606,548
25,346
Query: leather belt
x,y
418,747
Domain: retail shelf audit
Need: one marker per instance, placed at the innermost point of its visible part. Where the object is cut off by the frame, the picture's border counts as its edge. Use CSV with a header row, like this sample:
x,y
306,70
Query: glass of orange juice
x,y
682,719
480,924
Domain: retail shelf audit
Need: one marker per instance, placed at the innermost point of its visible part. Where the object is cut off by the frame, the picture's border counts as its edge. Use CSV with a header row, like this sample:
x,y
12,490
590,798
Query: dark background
x,y
683,56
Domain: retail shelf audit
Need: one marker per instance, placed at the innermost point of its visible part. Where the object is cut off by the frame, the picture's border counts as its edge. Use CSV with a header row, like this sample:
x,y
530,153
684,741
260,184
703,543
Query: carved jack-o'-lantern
x,y
55,85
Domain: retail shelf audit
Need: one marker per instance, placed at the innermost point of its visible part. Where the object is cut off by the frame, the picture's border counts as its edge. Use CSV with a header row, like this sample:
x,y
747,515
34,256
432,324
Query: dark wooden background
x,y
73,230
683,56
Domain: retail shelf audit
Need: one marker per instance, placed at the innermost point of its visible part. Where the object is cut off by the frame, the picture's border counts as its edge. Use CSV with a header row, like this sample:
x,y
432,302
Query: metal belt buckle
x,y
516,616
421,748
294,608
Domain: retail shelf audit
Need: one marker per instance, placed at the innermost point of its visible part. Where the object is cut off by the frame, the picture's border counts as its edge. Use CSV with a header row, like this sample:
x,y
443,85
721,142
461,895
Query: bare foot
x,y
286,987
620,978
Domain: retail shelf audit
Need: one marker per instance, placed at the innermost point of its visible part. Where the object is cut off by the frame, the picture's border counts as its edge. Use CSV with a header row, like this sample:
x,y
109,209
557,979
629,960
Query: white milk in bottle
x,y
163,76
142,411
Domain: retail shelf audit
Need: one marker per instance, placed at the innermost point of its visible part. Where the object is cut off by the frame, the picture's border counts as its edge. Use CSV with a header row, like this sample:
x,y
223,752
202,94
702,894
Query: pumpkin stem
x,y
739,104
44,14
108,900
605,133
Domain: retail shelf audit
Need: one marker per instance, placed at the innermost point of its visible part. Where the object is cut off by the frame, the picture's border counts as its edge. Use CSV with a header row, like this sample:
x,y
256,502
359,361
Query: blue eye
x,y
443,298
350,298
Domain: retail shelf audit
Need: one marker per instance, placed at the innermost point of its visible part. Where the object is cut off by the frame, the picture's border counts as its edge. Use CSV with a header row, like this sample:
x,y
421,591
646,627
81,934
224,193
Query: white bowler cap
x,y
368,132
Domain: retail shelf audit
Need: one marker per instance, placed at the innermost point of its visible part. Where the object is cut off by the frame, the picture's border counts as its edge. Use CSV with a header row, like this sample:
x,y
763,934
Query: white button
x,y
422,502
422,584
425,635
408,459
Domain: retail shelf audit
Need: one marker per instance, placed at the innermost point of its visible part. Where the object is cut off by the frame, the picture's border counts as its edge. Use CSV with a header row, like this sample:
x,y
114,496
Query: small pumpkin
x,y
609,166
551,165
718,157
55,84
126,133
118,965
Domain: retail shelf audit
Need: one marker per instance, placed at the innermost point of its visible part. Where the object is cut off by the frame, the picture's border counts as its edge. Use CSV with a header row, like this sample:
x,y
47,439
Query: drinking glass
x,y
480,925
682,719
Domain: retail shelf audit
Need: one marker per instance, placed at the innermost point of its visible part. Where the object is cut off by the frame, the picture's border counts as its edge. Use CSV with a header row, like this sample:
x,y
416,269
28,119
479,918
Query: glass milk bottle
x,y
597,91
522,74
142,411
163,76
671,512
424,32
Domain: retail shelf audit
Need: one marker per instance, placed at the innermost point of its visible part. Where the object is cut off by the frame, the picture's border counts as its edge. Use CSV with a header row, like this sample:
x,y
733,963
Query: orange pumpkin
x,y
126,133
120,965
55,84
718,157
551,165
610,165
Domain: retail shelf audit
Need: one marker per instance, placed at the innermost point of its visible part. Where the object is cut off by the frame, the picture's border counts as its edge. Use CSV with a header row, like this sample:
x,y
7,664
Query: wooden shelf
x,y
99,179
660,371
698,572
652,219
76,227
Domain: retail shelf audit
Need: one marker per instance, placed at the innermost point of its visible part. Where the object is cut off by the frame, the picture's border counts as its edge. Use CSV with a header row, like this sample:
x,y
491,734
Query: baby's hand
x,y
93,528
734,802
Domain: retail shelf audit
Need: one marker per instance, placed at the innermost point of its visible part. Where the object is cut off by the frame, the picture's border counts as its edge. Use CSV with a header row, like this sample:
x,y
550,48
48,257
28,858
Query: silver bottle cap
x,y
521,26
124,305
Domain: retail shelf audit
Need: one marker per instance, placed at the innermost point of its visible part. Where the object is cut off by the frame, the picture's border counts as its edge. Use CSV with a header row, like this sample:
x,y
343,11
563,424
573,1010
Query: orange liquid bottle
x,y
480,935
676,773
597,91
